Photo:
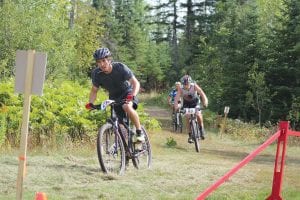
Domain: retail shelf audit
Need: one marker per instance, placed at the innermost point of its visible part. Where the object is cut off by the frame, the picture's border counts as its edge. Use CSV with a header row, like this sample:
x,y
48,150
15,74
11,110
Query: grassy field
x,y
176,173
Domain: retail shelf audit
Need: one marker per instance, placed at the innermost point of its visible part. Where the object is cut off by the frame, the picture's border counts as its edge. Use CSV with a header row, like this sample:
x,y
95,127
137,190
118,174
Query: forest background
x,y
243,53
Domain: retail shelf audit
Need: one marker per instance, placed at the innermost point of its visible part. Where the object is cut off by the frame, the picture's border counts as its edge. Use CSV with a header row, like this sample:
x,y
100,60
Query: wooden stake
x,y
223,126
25,121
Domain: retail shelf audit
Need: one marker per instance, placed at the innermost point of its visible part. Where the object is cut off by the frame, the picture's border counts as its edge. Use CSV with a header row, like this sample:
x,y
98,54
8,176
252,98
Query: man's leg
x,y
201,126
190,139
134,117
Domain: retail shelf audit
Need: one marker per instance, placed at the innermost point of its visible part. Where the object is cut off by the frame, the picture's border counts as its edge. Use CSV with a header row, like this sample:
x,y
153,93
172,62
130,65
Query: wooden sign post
x,y
29,65
226,111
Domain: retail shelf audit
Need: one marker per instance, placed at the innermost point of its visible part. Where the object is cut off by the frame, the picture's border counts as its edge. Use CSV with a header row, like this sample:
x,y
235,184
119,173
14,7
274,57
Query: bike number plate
x,y
190,110
106,103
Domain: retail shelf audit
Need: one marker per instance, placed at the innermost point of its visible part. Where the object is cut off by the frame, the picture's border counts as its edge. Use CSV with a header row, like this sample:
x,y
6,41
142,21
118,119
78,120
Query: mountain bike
x,y
193,123
177,120
115,146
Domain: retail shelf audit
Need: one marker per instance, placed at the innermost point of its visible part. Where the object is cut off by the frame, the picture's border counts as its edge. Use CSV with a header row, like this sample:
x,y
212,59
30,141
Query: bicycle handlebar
x,y
106,103
96,107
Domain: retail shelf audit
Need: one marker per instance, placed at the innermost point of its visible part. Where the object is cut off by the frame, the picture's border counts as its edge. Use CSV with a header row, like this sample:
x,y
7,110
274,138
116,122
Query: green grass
x,y
178,172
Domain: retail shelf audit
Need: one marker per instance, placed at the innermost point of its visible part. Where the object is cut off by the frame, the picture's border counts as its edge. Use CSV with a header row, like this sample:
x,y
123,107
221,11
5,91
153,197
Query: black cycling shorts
x,y
119,110
190,104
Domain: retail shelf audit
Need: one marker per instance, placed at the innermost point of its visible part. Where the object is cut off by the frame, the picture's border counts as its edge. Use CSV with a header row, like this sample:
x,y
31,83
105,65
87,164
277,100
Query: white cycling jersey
x,y
189,95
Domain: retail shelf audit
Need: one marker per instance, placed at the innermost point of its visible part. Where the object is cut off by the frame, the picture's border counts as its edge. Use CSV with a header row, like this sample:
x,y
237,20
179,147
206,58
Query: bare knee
x,y
128,108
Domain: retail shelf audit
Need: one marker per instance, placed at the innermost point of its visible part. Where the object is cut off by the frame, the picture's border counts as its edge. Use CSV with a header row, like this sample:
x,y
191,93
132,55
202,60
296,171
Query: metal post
x,y
279,162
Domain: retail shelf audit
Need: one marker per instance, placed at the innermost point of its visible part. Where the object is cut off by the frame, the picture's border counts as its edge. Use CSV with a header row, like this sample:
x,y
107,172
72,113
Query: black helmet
x,y
186,79
101,53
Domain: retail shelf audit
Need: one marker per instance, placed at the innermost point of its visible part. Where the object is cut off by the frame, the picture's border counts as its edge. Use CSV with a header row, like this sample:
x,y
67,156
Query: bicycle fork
x,y
114,148
194,128
177,118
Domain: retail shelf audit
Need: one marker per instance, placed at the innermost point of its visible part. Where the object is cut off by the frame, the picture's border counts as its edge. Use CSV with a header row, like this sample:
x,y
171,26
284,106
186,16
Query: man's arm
x,y
169,100
135,85
202,95
93,94
177,98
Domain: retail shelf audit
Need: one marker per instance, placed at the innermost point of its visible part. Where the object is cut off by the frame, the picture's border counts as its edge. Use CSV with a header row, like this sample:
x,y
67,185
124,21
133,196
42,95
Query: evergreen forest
x,y
243,53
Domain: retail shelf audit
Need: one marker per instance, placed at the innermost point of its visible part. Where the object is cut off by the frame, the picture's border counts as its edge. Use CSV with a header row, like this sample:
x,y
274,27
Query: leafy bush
x,y
171,142
154,98
60,112
148,122
57,116
209,118
11,115
3,111
246,131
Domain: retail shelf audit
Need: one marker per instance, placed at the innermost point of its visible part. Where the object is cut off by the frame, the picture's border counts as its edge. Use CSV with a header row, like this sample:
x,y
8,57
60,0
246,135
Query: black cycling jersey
x,y
116,82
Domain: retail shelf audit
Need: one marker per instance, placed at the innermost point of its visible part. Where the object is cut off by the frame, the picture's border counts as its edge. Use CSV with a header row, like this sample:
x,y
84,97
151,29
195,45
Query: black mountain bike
x,y
115,146
177,120
193,123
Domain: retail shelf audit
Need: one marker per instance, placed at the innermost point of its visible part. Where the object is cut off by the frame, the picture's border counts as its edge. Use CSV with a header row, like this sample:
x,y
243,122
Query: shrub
x,y
246,131
149,122
11,113
154,98
57,116
3,125
209,119
171,142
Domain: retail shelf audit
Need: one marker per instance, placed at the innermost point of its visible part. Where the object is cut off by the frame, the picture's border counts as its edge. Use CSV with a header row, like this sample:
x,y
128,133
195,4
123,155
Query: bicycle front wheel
x,y
195,135
180,123
110,149
143,156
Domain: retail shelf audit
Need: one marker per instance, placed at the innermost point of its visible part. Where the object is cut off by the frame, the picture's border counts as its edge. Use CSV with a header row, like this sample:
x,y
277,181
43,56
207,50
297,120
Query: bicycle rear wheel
x,y
110,150
143,156
174,122
195,135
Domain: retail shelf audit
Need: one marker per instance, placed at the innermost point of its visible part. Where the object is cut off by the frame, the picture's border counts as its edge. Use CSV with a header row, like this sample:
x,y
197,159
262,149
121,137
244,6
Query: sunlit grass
x,y
71,170
177,173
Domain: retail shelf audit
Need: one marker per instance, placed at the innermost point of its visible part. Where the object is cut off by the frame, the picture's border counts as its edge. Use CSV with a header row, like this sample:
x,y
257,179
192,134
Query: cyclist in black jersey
x,y
120,83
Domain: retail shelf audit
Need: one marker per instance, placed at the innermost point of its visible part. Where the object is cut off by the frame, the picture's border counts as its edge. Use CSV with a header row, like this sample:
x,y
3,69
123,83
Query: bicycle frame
x,y
194,126
114,120
120,148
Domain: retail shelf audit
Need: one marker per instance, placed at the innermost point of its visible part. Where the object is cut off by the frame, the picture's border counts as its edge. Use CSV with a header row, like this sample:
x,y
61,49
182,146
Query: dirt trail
x,y
157,112
163,115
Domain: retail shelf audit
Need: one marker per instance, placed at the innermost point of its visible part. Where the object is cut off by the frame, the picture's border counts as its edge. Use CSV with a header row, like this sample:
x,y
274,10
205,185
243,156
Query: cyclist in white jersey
x,y
189,93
